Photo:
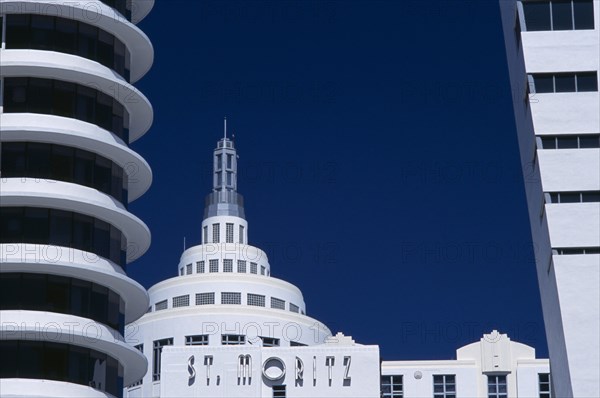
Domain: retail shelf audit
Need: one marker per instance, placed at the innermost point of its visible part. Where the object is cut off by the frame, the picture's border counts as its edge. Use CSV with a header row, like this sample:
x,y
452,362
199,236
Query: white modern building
x,y
553,51
68,112
224,327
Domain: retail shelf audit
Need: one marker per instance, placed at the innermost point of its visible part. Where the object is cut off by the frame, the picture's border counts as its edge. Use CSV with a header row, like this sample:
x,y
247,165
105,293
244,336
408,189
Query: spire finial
x,y
225,129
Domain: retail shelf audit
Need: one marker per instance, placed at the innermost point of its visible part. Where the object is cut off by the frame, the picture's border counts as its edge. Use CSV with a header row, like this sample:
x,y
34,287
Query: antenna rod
x,y
225,129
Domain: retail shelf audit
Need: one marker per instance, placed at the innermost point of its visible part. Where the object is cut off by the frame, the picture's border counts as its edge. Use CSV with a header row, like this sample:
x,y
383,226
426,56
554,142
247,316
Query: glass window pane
x,y
62,163
18,34
61,228
58,294
39,95
13,159
38,160
36,225
565,83
562,17
543,83
570,197
537,15
587,81
567,142
589,141
42,32
64,98
584,14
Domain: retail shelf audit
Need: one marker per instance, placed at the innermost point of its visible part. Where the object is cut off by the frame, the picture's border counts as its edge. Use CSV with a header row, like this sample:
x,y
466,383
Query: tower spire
x,y
225,129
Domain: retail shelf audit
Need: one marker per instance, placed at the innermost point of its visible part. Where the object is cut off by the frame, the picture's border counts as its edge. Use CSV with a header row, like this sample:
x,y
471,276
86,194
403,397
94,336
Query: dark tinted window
x,y
40,292
562,16
54,97
564,83
548,143
567,142
29,359
61,228
589,141
587,81
537,15
584,14
544,83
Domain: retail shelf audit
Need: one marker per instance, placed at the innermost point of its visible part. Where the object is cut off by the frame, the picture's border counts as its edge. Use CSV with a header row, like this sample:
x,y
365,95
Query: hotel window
x,y
497,386
229,233
200,267
200,339
216,238
242,234
229,178
229,161
181,301
219,161
156,356
575,250
270,342
241,266
279,391
544,385
558,15
205,234
294,308
570,141
574,197
569,82
262,269
161,305
233,339
391,386
181,272
444,386
256,300
228,265
277,303
253,268
205,298
213,265
140,348
231,298
188,269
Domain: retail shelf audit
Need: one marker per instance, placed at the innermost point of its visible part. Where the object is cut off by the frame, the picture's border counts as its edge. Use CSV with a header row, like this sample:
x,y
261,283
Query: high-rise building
x,y
68,112
553,51
225,327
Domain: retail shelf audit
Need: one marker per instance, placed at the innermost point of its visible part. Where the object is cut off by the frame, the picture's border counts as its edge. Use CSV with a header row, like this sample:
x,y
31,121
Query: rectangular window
x,y
216,238
253,268
205,234
188,269
140,348
229,233
294,308
270,342
262,269
200,267
200,339
229,161
570,82
444,386
241,266
256,300
181,301
156,355
233,339
161,305
585,141
391,386
205,298
497,387
277,303
242,234
558,15
213,265
279,391
228,265
544,385
231,298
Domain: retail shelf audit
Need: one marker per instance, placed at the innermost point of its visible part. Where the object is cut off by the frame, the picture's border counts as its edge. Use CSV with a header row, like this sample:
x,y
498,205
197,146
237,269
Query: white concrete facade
x,y
72,345
566,235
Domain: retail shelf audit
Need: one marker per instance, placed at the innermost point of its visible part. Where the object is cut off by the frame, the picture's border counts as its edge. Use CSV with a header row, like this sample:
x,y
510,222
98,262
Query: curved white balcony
x,y
100,15
75,133
71,68
74,263
73,197
69,329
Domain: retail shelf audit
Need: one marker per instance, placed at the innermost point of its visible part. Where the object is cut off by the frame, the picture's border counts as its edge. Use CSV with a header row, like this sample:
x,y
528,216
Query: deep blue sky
x,y
378,156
